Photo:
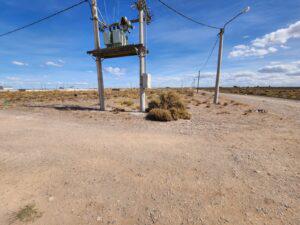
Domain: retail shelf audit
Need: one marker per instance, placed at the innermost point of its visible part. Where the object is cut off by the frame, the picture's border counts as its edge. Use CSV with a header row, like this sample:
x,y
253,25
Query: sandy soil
x,y
229,165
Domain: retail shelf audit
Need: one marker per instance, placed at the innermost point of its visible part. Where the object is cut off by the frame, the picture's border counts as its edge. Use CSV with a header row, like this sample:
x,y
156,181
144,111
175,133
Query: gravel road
x,y
230,164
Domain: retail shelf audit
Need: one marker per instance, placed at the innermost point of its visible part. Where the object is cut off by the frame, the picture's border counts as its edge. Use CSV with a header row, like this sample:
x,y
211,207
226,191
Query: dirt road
x,y
229,165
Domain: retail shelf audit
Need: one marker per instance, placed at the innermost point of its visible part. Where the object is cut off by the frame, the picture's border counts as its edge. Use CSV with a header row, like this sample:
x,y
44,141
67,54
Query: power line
x,y
43,19
103,23
187,17
210,54
206,61
105,11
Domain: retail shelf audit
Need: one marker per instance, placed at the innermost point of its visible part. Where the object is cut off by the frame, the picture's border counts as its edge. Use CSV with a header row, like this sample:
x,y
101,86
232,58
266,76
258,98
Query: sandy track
x,y
222,167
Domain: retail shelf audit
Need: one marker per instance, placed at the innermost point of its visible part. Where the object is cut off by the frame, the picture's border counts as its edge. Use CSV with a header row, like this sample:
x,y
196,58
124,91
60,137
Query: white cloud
x,y
244,74
10,78
245,51
278,37
267,44
274,69
288,69
284,47
115,70
294,74
51,63
18,63
254,78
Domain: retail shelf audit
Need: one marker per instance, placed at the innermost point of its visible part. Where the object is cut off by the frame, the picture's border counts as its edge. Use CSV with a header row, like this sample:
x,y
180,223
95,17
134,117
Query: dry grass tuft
x,y
180,114
168,107
162,115
28,214
127,102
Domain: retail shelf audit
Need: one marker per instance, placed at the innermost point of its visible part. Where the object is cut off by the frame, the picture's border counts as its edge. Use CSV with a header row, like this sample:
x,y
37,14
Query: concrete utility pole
x,y
222,31
142,57
98,59
217,87
198,82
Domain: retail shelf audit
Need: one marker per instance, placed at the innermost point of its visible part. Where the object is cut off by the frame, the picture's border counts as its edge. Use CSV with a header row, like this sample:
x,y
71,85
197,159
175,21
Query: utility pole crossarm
x,y
142,5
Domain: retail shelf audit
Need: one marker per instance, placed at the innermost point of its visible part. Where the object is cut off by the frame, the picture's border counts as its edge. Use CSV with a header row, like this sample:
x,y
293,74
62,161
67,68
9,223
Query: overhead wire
x,y
207,60
105,11
99,12
43,19
187,17
114,11
210,54
103,22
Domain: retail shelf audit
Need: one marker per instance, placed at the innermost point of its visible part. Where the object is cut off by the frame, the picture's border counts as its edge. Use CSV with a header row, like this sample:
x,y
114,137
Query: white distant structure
x,y
2,88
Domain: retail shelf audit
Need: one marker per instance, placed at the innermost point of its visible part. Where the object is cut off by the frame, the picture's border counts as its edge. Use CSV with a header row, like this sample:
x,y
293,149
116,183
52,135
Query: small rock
x,y
256,171
51,199
261,111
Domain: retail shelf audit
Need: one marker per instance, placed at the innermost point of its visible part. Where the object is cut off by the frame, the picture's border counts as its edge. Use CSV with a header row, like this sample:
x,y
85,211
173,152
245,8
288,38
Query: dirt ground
x,y
235,163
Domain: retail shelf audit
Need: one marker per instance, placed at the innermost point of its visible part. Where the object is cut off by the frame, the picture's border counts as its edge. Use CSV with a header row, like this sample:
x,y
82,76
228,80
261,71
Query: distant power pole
x,y
98,59
198,82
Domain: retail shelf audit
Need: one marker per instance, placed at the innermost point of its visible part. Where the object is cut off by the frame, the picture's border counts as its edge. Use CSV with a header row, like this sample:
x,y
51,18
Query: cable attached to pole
x,y
43,19
206,61
210,54
187,17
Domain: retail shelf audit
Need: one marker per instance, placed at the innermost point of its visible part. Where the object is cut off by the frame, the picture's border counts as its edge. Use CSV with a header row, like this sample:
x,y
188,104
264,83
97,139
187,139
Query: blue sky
x,y
260,48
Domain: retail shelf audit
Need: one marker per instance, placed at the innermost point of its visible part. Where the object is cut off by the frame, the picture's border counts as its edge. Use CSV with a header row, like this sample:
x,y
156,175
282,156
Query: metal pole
x,y
98,59
198,81
217,87
142,60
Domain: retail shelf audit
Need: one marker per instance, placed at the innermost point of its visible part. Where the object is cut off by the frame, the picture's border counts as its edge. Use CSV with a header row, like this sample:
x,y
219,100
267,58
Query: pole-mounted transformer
x,y
116,40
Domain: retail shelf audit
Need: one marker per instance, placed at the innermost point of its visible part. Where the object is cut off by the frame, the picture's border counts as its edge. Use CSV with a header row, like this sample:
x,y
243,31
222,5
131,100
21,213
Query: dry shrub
x,y
168,107
180,114
127,103
162,115
154,104
170,100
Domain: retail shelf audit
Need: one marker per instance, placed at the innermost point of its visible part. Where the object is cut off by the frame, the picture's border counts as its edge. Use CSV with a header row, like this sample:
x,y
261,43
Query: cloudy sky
x,y
260,48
